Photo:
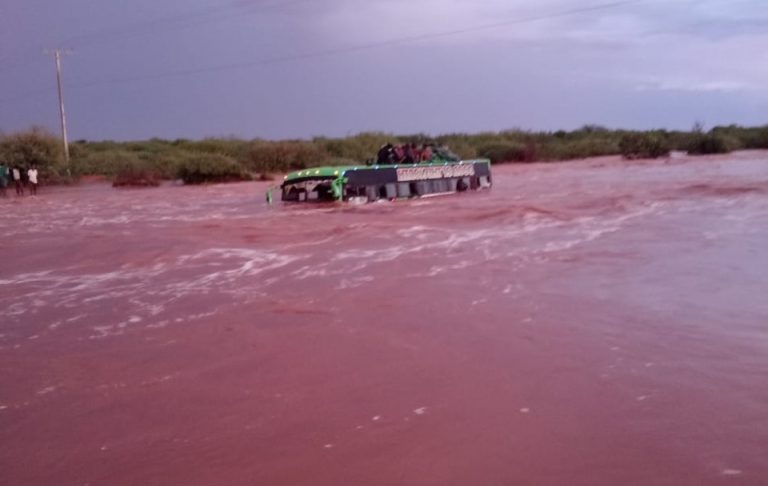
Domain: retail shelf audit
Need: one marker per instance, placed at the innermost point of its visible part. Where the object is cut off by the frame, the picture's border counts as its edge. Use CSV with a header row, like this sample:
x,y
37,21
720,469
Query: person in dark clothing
x,y
3,179
386,155
410,153
399,154
383,154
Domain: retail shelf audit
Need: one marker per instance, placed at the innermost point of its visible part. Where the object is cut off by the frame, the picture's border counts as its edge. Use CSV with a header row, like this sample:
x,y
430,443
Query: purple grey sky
x,y
293,68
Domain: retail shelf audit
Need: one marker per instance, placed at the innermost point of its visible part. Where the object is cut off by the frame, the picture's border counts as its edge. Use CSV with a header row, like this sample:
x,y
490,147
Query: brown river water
x,y
589,323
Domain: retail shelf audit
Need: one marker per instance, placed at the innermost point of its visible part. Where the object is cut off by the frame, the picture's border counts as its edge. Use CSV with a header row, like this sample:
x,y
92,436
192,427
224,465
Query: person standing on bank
x,y
3,179
32,177
16,172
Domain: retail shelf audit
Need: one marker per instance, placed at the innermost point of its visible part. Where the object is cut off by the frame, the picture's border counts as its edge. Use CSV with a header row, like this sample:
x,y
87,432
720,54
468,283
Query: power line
x,y
202,15
355,48
238,8
362,47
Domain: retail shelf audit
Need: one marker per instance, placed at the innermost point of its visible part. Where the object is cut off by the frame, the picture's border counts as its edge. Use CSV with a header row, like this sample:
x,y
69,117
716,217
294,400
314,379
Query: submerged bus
x,y
369,183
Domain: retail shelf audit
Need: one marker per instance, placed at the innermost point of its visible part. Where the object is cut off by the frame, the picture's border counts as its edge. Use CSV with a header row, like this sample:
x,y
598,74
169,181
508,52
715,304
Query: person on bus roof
x,y
426,153
410,153
399,154
383,156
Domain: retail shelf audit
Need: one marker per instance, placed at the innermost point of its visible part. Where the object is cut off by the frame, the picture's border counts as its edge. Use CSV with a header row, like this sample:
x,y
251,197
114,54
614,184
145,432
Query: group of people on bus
x,y
408,153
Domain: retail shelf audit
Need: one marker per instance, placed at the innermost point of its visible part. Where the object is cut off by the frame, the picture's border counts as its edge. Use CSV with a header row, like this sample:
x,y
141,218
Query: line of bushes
x,y
228,159
646,145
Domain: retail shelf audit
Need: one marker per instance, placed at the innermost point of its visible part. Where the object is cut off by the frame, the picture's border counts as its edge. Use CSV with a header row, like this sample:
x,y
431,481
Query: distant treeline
x,y
229,159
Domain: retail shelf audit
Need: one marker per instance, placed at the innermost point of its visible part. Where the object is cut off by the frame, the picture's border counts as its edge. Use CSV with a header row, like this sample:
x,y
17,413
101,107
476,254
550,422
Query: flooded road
x,y
592,323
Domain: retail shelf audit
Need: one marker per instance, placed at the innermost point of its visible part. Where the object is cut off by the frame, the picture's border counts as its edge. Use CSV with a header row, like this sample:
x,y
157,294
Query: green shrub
x,y
742,137
202,168
107,162
132,171
758,139
640,145
284,156
578,148
503,152
37,147
109,159
461,147
711,143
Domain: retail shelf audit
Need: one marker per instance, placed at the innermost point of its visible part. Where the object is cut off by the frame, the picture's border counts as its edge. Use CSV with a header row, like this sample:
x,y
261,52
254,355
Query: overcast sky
x,y
293,68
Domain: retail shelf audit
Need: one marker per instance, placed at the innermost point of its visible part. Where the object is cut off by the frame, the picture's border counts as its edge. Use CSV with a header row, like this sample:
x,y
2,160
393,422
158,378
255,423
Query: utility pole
x,y
57,56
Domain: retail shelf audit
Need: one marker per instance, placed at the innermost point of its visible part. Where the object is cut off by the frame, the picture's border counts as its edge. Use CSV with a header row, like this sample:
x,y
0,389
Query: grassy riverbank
x,y
220,159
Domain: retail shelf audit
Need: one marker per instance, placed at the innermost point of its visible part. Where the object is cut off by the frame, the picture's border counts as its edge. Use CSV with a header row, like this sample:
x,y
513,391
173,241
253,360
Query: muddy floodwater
x,y
593,323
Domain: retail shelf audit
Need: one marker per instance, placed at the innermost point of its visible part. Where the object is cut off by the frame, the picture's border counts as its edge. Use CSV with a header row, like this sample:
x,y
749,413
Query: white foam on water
x,y
319,242
16,309
98,221
415,231
228,270
436,270
47,390
731,472
59,323
158,325
247,263
154,381
309,271
350,283
420,411
382,255
107,331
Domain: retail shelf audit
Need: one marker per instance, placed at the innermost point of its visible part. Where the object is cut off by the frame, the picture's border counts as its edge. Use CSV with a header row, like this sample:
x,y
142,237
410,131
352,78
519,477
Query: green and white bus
x,y
369,183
